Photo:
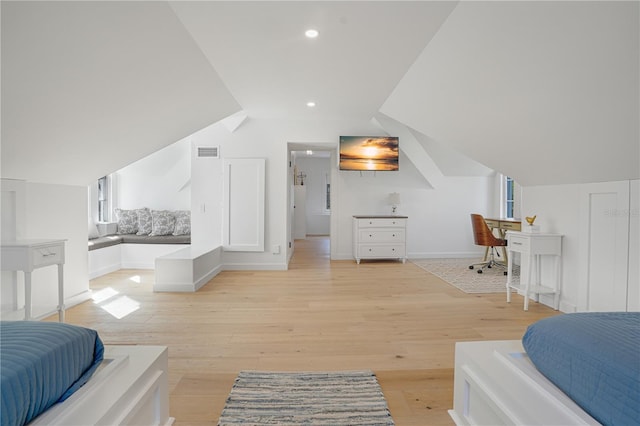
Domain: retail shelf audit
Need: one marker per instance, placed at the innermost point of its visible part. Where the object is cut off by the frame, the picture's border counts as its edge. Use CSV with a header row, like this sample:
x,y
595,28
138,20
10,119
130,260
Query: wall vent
x,y
208,152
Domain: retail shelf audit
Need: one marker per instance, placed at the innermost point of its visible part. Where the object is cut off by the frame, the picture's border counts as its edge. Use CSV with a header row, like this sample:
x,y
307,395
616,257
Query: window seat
x,y
113,252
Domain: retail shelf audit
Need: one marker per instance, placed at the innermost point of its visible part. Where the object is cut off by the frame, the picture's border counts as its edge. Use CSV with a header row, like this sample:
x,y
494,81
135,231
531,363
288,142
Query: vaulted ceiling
x,y
89,87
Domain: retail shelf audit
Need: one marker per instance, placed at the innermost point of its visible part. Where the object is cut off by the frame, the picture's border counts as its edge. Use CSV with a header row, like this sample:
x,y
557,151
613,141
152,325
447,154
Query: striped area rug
x,y
309,398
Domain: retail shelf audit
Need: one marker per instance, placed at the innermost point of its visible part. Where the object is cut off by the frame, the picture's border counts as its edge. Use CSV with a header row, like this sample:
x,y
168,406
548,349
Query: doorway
x,y
311,169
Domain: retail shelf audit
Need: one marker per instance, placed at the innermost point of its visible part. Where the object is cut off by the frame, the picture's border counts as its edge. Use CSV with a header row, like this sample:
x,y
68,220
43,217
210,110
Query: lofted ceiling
x,y
362,51
90,87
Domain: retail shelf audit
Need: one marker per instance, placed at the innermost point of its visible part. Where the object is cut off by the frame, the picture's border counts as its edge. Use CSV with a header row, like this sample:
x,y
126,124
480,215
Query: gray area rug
x,y
309,398
457,273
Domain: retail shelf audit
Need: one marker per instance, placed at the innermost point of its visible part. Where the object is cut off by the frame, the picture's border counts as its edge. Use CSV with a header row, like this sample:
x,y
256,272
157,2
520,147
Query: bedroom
x,y
573,115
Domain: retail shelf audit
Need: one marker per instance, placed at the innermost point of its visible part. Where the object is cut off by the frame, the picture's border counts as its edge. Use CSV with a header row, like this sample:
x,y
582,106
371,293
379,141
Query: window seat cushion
x,y
111,240
106,241
157,239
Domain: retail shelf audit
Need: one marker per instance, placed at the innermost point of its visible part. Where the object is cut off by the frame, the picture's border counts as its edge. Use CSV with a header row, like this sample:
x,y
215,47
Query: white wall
x,y
558,208
439,223
55,212
160,181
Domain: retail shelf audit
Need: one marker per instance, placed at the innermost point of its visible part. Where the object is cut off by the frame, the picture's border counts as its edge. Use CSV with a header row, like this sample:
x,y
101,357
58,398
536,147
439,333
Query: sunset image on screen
x,y
368,153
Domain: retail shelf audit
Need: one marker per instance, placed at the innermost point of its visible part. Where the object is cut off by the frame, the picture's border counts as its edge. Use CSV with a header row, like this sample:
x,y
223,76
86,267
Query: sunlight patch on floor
x,y
121,307
102,295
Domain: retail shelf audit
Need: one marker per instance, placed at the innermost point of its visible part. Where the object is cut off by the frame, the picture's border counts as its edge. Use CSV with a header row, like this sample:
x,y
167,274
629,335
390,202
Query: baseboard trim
x,y
105,270
254,267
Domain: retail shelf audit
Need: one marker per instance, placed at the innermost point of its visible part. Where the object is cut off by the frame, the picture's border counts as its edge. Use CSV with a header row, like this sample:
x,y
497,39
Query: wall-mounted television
x,y
369,153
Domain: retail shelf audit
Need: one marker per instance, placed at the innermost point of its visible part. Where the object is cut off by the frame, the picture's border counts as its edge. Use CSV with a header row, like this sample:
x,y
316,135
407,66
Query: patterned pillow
x,y
127,221
163,222
144,221
183,222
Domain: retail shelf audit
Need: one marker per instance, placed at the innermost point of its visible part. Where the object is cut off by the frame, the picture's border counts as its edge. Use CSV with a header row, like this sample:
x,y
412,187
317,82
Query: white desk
x,y
27,255
532,246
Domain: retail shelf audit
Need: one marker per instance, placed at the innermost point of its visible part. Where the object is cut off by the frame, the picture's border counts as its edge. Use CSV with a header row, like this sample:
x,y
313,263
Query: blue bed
x,y
43,363
594,358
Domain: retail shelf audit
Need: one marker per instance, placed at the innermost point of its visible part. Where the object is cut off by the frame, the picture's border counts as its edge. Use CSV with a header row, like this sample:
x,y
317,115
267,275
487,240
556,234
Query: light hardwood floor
x,y
393,318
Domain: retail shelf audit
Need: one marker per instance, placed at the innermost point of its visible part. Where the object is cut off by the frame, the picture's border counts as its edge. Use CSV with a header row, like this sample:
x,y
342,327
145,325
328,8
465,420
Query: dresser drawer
x,y
381,236
383,251
44,256
381,222
511,226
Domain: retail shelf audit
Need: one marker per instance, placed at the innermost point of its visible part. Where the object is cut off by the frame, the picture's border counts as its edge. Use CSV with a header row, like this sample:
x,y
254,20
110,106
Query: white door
x,y
244,187
604,247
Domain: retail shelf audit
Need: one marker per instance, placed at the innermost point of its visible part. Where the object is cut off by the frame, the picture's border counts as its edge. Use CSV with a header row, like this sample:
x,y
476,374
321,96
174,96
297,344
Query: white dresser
x,y
380,237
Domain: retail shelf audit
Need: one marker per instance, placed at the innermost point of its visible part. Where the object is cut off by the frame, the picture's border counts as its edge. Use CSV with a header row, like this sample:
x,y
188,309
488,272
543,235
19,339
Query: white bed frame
x,y
495,383
129,388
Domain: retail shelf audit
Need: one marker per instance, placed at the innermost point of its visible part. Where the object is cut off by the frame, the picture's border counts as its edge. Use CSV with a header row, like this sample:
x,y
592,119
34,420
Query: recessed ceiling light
x,y
311,104
311,33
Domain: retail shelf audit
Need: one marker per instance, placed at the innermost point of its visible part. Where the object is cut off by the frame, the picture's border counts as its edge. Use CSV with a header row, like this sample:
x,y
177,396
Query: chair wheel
x,y
479,271
489,266
471,267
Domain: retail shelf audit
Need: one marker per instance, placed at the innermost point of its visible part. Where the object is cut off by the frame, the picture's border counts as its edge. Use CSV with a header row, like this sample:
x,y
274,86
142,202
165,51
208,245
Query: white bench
x,y
187,269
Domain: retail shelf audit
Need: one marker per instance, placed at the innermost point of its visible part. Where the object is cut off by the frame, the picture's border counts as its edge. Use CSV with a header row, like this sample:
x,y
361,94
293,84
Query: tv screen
x,y
373,153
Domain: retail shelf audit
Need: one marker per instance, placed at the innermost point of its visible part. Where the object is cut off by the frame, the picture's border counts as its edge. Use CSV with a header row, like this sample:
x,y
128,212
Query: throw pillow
x,y
127,221
144,221
183,222
163,222
93,230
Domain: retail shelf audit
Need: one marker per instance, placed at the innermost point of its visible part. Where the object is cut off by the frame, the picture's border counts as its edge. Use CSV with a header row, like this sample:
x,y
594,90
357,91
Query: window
x,y
508,192
103,199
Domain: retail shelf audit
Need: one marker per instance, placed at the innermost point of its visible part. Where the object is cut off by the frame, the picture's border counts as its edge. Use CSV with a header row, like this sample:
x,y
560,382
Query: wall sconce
x,y
394,201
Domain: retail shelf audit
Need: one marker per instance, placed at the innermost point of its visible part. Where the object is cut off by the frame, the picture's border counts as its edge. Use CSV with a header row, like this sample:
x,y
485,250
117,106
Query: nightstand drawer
x,y
381,236
519,244
44,256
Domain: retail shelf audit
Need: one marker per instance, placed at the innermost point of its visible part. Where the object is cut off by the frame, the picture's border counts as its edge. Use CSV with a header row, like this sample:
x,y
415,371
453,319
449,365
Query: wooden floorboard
x,y
321,315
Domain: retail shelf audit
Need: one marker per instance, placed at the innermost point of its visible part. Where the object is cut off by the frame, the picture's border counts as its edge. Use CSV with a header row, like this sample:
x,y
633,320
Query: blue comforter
x,y
43,363
594,358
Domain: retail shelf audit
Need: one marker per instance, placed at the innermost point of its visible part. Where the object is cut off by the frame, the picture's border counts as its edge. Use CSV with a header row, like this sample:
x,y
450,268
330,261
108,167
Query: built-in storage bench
x,y
110,253
187,269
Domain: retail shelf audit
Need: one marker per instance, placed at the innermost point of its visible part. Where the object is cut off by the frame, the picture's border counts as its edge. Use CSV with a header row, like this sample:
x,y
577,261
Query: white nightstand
x,y
532,246
27,255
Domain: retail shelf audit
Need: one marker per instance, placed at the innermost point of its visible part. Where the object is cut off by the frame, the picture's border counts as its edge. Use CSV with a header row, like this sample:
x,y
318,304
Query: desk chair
x,y
483,236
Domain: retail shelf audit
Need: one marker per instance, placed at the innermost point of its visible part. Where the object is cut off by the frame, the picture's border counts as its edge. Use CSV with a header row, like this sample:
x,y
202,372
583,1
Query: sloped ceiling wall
x,y
546,92
112,81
